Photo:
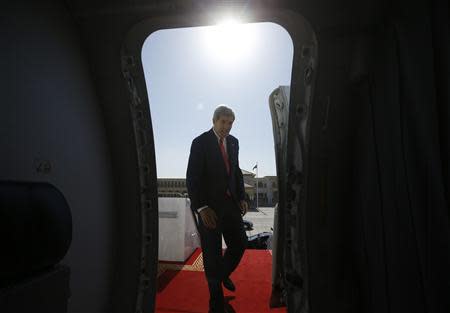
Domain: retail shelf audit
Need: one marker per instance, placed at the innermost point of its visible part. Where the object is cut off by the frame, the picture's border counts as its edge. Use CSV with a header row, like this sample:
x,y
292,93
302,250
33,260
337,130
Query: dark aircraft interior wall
x,y
378,220
52,131
402,225
329,214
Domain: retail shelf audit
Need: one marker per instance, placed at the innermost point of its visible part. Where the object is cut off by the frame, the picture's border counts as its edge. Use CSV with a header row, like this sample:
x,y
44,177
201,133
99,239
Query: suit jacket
x,y
207,179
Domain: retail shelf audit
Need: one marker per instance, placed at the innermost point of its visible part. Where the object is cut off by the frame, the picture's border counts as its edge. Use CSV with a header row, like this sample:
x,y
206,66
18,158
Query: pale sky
x,y
190,71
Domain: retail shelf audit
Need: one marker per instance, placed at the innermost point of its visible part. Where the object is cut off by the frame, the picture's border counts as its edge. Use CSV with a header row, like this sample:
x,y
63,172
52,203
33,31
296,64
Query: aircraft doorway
x,y
189,72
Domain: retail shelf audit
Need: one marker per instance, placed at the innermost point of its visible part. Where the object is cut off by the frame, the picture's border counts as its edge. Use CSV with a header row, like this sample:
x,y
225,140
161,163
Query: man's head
x,y
223,119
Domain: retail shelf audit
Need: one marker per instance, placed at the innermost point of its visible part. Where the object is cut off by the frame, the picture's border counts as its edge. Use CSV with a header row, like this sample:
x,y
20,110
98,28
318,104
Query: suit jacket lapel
x,y
231,150
216,150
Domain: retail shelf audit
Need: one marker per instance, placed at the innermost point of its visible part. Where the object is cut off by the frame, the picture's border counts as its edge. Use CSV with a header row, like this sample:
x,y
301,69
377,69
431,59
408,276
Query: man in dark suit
x,y
216,189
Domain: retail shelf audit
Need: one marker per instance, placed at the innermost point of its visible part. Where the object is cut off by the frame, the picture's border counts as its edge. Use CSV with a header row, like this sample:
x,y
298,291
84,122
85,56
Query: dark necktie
x,y
224,155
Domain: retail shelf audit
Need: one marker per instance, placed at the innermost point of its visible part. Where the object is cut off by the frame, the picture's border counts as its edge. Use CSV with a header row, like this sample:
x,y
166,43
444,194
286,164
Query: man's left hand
x,y
244,207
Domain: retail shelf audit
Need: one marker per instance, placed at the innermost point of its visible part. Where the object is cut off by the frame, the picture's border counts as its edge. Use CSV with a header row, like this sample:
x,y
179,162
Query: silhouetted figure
x,y
216,189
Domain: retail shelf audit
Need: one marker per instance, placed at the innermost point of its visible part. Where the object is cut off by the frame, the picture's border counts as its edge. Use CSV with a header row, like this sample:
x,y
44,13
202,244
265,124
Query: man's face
x,y
222,125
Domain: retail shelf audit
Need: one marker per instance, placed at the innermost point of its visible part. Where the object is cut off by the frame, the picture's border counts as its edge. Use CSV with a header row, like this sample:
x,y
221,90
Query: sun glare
x,y
230,41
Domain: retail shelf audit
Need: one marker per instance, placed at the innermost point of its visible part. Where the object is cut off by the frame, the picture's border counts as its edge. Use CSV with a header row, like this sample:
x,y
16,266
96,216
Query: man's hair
x,y
222,111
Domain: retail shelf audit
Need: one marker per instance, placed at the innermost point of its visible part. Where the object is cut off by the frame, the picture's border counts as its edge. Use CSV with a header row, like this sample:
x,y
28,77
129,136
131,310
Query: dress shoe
x,y
227,283
226,309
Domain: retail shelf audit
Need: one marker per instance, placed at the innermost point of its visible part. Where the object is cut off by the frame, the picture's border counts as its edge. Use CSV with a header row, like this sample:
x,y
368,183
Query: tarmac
x,y
262,219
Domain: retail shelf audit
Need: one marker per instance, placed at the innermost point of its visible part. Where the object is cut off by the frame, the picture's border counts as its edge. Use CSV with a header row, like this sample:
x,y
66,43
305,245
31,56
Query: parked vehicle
x,y
260,241
248,225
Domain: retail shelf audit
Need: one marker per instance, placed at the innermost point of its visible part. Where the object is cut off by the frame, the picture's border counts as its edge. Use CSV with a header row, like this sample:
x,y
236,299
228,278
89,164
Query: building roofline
x,y
245,172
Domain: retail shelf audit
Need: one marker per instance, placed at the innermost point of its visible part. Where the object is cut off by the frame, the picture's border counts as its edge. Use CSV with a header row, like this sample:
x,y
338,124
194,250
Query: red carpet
x,y
183,289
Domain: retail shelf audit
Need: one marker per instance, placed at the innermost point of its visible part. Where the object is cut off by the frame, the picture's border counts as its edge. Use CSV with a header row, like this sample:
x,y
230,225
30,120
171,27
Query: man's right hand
x,y
209,218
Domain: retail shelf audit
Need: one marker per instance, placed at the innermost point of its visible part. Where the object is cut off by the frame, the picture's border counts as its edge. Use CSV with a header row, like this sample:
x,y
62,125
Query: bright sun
x,y
230,41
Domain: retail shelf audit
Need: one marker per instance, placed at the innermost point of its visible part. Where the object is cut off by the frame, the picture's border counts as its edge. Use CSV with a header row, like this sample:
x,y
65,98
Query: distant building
x,y
249,185
267,188
172,187
176,187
